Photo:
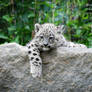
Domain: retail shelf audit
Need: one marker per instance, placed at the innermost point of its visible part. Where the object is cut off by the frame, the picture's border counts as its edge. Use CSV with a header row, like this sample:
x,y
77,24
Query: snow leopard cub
x,y
47,36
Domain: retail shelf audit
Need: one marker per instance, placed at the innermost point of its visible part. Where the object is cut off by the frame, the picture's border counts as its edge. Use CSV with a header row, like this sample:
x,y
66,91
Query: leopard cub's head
x,y
46,35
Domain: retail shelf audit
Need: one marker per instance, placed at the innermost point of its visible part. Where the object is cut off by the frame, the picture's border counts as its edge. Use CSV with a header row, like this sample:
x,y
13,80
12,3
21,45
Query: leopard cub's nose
x,y
45,44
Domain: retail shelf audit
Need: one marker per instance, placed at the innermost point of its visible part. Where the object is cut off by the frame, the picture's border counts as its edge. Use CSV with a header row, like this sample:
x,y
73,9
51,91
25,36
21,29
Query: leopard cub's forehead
x,y
48,25
47,28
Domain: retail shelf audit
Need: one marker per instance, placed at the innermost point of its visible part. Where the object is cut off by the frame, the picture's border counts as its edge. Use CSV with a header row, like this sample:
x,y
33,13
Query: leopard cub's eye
x,y
41,37
51,37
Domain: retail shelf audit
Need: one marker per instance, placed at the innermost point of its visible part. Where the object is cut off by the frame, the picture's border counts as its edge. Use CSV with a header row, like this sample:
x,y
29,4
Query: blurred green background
x,y
17,19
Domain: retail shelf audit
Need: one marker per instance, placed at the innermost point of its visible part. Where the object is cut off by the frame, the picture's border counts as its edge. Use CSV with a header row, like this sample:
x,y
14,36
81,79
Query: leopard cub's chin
x,y
45,49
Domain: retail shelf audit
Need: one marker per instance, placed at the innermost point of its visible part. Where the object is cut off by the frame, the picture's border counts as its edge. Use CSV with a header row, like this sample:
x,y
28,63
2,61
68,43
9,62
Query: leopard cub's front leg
x,y
35,60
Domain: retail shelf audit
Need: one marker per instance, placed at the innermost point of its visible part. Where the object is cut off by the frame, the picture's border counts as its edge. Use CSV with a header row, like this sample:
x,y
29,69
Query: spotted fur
x,y
47,36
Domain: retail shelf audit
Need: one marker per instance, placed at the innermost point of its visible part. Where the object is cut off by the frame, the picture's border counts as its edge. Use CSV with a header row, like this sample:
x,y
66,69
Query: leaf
x,y
90,39
27,27
2,36
78,32
11,28
31,15
8,18
17,39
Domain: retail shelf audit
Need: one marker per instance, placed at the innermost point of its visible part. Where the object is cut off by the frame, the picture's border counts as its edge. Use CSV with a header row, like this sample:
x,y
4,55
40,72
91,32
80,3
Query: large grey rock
x,y
64,70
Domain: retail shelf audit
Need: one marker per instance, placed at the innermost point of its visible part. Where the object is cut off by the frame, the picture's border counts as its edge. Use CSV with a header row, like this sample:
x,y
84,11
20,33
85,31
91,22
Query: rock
x,y
64,70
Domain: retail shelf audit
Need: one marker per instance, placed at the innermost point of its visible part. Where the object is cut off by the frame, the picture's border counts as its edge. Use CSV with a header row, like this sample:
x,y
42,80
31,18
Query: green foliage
x,y
19,16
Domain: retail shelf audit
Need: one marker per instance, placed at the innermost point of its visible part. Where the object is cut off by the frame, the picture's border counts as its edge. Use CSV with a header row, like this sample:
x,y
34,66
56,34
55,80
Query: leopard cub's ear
x,y
60,29
37,27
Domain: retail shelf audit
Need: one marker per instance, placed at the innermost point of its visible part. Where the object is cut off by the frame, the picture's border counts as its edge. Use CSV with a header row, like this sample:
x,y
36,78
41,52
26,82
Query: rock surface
x,y
64,70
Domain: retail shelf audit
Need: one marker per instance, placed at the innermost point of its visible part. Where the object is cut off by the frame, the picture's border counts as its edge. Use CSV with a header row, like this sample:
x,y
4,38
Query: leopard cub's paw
x,y
36,69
